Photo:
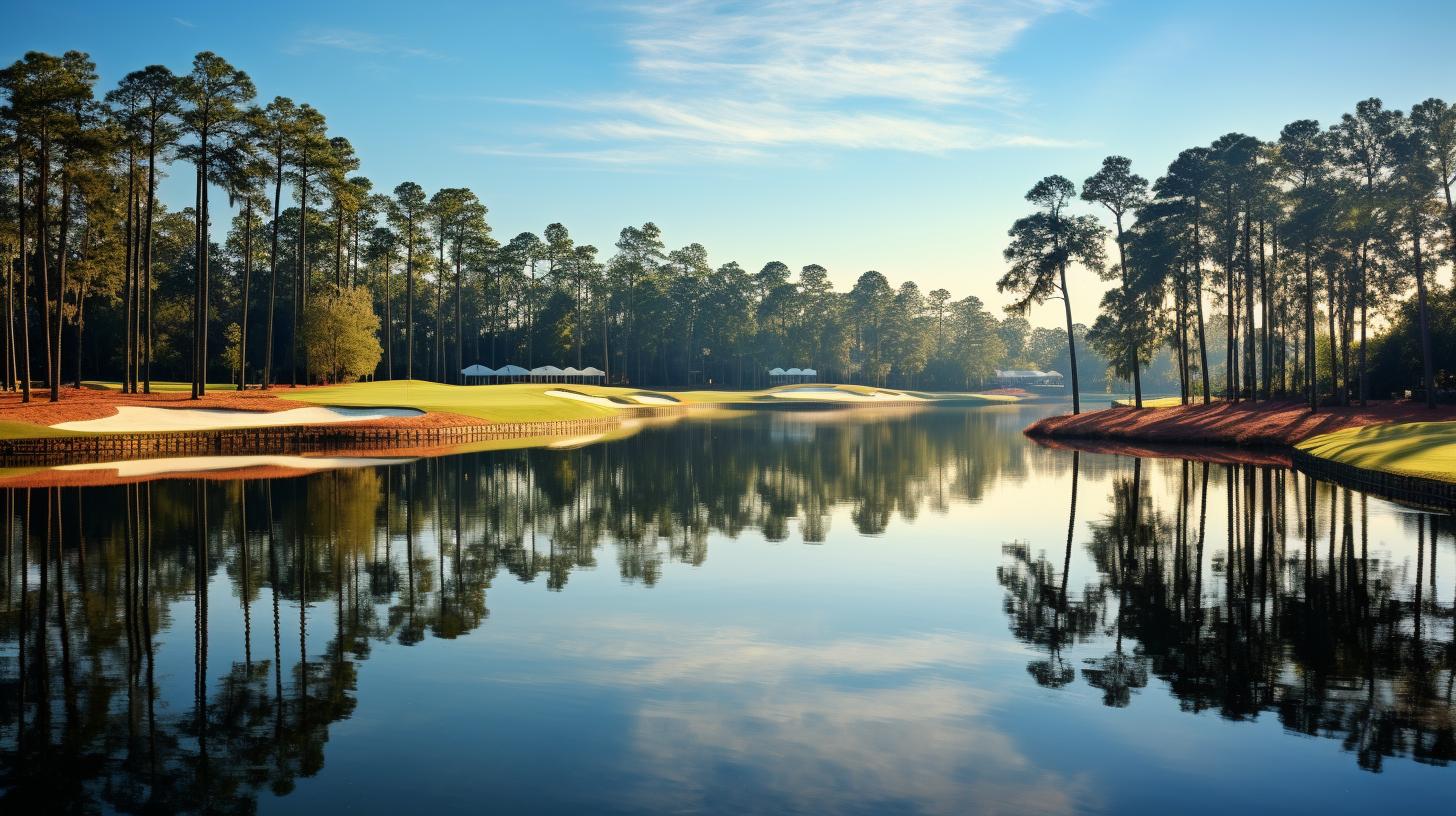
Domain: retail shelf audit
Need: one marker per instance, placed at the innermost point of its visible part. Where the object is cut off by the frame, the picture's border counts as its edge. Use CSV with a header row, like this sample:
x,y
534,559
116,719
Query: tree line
x,y
322,278
1294,243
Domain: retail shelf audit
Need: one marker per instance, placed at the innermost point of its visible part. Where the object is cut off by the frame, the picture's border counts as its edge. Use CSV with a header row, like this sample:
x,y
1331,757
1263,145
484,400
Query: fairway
x,y
1422,449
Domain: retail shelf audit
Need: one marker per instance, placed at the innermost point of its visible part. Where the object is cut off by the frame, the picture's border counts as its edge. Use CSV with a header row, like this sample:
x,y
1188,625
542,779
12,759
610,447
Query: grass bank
x,y
1397,438
443,405
1424,450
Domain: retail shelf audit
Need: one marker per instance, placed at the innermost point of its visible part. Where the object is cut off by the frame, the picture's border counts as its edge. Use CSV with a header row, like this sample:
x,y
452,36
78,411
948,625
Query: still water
x,y
846,612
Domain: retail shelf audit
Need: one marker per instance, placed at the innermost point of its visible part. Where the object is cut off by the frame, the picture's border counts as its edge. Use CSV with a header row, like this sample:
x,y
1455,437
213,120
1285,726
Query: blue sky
x,y
897,136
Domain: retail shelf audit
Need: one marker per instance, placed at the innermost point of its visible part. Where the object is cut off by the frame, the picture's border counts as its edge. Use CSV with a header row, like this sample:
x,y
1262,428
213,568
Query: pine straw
x,y
1222,423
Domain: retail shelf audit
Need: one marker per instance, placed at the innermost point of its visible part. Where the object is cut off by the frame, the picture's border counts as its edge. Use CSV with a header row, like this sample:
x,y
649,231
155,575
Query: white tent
x,y
777,372
477,370
593,371
809,372
545,372
509,370
571,371
793,372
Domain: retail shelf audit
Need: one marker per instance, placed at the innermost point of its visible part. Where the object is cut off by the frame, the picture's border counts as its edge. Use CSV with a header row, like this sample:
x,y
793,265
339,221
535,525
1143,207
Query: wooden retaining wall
x,y
1430,493
295,439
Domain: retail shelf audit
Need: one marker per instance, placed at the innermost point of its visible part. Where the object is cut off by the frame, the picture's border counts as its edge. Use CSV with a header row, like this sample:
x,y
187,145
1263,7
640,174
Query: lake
x,y
894,611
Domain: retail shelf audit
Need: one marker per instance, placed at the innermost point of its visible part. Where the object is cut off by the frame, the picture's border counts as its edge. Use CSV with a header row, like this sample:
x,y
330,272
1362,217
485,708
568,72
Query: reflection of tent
x,y
477,370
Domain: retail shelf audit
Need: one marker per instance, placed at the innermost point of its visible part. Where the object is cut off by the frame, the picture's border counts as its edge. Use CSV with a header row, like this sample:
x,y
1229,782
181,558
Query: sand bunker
x,y
139,419
194,464
648,399
572,395
836,395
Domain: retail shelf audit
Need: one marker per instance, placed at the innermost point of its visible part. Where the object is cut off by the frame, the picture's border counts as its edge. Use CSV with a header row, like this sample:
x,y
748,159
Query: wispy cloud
x,y
359,42
184,23
758,78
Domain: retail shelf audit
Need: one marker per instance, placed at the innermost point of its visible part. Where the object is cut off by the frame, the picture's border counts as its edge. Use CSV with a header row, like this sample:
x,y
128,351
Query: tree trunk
x,y
247,289
1137,374
147,255
1310,377
1071,343
1251,374
388,321
300,276
43,251
1265,334
1364,316
409,301
24,372
1334,338
266,381
1428,371
129,280
457,377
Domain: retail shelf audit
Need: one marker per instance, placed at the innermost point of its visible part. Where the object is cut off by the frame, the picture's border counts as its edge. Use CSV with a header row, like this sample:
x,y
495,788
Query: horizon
x,y
906,159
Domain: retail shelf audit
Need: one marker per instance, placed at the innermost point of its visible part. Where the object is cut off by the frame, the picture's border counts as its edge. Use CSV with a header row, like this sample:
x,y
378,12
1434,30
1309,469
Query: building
x,y
1027,378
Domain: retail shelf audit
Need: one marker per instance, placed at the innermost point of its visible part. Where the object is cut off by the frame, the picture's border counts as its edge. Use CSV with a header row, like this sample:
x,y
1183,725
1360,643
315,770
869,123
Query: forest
x,y
1305,266
1318,252
321,277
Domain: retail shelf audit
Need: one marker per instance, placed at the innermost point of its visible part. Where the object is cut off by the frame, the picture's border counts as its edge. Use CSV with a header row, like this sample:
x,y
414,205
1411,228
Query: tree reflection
x,y
1297,617
305,574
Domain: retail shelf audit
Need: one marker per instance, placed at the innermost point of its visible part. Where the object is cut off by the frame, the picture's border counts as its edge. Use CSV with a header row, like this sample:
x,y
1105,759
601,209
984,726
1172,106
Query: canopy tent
x,y
570,372
545,372
593,371
792,374
477,370
509,370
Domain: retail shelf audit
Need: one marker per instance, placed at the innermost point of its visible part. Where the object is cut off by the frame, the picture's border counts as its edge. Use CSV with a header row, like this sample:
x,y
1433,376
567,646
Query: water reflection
x,y
1284,611
1241,591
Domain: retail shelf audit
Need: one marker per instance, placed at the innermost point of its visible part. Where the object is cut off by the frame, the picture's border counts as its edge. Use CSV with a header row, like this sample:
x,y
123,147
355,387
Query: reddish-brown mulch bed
x,y
1223,423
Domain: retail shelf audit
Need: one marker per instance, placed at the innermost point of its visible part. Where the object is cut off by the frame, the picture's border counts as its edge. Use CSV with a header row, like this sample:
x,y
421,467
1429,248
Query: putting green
x,y
1423,449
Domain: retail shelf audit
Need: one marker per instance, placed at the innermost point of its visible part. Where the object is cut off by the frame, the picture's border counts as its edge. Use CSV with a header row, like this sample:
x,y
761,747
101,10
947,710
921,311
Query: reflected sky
x,y
774,613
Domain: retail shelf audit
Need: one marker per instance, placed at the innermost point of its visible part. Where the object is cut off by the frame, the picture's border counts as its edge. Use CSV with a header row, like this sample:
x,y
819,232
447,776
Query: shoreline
x,y
1251,429
447,418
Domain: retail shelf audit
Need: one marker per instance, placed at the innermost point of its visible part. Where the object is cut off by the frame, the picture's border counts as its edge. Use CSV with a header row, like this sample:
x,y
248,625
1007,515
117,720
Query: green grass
x,y
162,386
25,430
516,402
1423,449
1154,402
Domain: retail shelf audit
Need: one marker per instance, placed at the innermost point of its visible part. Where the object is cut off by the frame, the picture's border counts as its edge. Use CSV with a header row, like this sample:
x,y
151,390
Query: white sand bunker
x,y
827,392
195,464
572,395
140,419
650,399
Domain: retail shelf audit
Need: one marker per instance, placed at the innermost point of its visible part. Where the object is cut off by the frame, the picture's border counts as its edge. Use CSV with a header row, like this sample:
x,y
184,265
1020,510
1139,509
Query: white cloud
x,y
818,726
765,77
359,42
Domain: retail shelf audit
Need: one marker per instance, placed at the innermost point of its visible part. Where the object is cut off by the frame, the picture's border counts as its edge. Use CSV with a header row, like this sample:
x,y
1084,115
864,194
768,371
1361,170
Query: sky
x,y
899,136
